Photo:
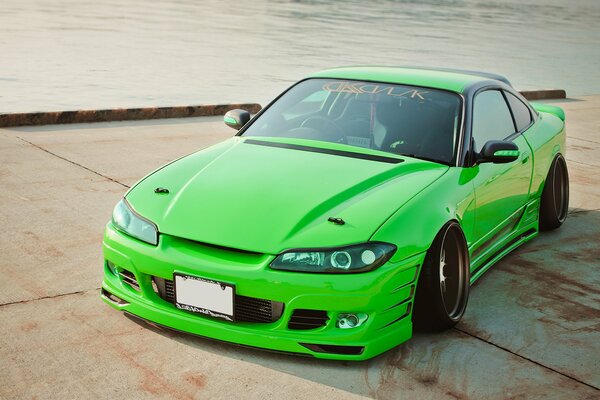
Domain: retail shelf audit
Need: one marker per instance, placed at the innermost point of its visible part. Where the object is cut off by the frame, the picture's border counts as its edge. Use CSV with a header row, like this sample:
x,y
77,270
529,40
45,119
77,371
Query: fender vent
x,y
302,319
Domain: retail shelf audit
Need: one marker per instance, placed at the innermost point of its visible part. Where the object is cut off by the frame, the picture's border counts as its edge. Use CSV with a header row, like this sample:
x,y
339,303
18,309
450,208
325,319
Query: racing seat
x,y
355,119
403,126
424,130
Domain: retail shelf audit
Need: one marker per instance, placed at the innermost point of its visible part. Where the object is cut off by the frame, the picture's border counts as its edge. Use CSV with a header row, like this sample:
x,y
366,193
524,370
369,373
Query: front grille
x,y
169,291
251,309
307,319
129,278
246,309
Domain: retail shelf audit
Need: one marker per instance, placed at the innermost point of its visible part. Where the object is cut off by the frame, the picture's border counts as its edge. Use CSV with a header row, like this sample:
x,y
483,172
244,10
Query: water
x,y
79,54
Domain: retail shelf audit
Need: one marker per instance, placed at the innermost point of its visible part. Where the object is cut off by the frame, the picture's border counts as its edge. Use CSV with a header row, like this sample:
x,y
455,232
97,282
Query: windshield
x,y
405,120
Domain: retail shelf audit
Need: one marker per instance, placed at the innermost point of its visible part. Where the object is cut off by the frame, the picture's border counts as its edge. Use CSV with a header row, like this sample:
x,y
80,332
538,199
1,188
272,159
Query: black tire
x,y
554,205
440,302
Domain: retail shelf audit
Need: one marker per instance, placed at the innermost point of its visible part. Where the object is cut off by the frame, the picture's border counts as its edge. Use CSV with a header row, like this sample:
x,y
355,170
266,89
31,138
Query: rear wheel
x,y
443,287
555,196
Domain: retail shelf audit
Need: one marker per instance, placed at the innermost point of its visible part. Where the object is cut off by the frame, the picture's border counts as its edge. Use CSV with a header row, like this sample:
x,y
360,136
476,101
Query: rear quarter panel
x,y
547,137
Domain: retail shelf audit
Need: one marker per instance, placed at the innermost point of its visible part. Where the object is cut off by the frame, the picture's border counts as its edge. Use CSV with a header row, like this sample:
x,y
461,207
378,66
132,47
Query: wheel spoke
x,y
442,274
451,265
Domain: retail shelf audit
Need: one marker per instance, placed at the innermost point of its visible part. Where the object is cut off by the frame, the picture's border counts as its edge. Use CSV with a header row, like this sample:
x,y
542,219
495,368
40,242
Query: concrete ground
x,y
531,329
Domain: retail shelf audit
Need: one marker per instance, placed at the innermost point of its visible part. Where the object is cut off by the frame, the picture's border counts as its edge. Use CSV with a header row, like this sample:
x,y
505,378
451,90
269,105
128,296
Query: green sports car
x,y
361,202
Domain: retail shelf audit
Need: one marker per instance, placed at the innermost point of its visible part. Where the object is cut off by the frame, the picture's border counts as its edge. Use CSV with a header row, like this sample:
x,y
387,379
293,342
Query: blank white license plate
x,y
204,296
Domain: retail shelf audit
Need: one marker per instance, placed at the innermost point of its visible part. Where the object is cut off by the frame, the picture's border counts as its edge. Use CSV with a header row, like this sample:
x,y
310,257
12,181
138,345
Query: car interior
x,y
425,128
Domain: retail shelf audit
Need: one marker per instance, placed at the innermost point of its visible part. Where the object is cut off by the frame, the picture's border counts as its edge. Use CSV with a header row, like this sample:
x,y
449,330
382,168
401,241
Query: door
x,y
500,189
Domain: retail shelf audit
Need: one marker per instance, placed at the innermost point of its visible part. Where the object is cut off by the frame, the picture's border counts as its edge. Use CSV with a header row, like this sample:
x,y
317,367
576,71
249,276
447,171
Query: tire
x,y
554,205
443,286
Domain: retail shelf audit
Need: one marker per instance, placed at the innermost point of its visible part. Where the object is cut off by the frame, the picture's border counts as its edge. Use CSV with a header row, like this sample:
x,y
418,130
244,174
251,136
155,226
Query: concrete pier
x,y
531,329
189,111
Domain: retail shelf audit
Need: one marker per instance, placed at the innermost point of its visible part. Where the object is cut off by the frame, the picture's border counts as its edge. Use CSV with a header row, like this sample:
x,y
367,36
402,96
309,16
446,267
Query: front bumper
x,y
385,294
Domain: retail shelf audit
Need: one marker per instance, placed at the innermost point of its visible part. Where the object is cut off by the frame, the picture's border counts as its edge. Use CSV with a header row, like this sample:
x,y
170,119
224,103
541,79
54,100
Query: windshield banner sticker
x,y
372,88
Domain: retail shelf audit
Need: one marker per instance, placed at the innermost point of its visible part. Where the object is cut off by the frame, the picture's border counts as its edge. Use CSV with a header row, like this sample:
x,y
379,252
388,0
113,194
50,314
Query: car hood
x,y
248,195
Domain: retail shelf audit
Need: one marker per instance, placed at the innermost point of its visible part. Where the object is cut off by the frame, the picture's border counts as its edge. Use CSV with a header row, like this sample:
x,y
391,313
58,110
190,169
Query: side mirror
x,y
236,118
498,152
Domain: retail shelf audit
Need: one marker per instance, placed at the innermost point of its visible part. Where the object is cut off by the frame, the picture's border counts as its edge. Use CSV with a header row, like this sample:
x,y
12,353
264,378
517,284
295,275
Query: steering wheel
x,y
319,123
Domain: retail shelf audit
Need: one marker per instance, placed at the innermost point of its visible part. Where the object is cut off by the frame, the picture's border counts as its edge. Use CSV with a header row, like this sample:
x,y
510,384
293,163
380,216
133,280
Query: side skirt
x,y
512,244
512,235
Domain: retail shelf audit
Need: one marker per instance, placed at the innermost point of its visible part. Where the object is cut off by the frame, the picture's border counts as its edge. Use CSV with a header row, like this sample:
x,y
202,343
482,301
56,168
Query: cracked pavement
x,y
531,329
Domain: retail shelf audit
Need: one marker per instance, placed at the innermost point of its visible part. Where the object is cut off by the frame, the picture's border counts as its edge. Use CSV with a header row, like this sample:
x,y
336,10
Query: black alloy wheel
x,y
554,205
443,286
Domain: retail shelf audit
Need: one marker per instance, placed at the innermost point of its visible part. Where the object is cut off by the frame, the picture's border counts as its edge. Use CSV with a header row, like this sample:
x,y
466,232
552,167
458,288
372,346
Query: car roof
x,y
442,78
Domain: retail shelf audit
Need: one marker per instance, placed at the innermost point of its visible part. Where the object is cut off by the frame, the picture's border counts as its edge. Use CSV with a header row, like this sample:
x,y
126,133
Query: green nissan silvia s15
x,y
360,202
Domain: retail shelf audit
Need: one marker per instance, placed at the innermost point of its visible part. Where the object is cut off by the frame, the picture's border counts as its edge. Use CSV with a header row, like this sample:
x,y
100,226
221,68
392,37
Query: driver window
x,y
491,118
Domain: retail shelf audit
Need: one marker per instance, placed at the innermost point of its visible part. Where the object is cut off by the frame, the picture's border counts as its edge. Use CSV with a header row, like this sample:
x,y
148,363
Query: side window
x,y
491,118
520,111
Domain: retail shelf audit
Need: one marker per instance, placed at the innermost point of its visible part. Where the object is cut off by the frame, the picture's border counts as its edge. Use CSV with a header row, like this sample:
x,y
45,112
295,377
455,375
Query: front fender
x,y
414,226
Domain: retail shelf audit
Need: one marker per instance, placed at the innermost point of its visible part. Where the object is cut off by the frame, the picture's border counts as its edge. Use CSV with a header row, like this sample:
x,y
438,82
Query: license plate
x,y
204,296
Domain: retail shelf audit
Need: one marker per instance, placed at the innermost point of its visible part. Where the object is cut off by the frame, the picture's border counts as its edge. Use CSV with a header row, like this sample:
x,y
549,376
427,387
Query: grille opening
x,y
129,278
164,289
303,319
112,297
334,349
251,309
246,309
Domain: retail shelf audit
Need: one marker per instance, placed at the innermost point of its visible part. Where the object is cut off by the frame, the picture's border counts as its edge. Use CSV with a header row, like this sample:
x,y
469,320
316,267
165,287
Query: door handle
x,y
525,158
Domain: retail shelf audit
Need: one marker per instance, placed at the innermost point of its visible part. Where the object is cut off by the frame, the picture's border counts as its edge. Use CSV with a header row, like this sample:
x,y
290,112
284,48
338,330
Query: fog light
x,y
112,267
347,321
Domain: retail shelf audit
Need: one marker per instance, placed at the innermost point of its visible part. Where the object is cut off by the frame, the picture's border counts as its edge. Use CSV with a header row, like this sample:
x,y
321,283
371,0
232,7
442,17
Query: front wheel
x,y
555,196
443,287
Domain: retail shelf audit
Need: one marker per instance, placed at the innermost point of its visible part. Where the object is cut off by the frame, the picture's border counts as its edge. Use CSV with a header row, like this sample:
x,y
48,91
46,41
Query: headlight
x,y
127,221
350,259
